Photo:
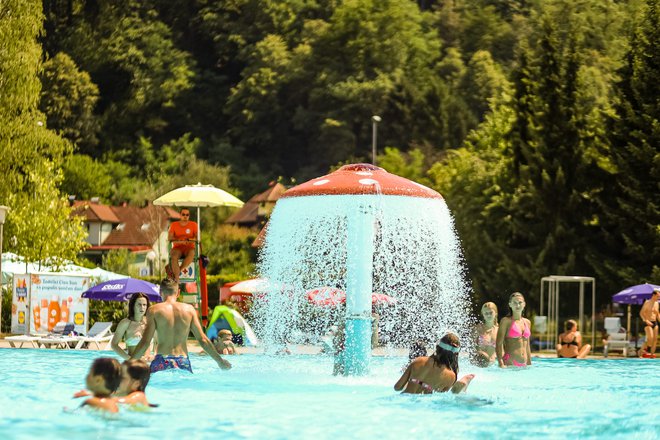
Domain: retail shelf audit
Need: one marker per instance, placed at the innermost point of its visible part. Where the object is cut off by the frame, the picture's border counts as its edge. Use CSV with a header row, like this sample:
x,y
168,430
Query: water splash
x,y
417,260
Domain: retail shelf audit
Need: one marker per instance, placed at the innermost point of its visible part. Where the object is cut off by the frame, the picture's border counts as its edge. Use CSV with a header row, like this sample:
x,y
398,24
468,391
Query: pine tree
x,y
632,199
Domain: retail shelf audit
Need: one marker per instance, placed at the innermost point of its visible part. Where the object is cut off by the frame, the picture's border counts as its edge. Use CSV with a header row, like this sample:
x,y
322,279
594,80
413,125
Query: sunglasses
x,y
185,215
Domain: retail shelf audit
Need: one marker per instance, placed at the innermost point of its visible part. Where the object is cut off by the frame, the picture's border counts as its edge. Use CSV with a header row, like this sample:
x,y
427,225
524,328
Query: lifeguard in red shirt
x,y
183,236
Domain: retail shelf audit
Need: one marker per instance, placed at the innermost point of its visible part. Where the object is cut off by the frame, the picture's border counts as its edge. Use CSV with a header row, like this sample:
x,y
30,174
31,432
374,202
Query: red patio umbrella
x,y
326,296
331,296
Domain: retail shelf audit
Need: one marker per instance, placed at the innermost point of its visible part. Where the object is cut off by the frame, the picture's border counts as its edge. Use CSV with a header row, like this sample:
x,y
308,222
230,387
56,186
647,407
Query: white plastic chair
x,y
617,338
98,334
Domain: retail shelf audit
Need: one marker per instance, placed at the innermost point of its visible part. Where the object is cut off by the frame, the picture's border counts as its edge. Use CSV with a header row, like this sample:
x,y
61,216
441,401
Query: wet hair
x,y
569,324
109,369
510,298
138,370
443,356
168,287
224,332
131,304
492,306
417,349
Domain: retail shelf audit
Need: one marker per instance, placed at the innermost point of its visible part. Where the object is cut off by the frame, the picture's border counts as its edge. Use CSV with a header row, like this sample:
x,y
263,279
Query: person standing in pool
x,y
486,335
570,342
131,329
174,321
649,314
512,345
435,373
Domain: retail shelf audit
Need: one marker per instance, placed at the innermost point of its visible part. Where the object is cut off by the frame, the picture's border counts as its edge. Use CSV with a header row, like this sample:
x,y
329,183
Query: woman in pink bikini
x,y
436,373
512,347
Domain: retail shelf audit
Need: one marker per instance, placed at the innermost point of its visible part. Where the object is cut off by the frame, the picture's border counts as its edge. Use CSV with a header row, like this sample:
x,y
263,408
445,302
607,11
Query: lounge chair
x,y
617,338
20,340
59,337
98,334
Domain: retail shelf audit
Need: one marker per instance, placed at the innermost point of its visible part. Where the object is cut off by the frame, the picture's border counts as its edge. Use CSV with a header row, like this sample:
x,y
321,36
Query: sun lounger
x,y
99,333
20,340
59,337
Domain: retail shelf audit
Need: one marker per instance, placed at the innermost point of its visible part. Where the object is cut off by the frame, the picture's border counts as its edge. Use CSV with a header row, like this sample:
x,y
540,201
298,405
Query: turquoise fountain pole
x,y
359,287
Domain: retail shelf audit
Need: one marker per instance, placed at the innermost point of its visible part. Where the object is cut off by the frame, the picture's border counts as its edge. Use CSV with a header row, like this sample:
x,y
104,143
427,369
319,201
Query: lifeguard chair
x,y
189,275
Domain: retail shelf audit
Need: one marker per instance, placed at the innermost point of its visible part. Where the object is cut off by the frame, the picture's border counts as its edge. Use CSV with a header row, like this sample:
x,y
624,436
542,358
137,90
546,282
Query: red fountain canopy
x,y
361,178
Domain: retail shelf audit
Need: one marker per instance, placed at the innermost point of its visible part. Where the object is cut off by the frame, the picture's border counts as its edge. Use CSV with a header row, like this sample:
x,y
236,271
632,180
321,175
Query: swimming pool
x,y
281,397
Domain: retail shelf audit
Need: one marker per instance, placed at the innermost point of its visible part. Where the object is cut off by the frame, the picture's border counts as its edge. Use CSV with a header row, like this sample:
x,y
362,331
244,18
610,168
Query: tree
x,y
32,154
632,196
68,98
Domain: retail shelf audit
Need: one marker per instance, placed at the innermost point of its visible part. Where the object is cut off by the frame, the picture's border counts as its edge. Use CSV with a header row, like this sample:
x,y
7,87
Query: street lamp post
x,y
375,119
3,215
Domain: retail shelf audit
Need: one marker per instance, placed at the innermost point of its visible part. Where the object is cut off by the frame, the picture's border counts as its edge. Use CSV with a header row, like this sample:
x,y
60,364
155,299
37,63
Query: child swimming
x,y
135,377
102,380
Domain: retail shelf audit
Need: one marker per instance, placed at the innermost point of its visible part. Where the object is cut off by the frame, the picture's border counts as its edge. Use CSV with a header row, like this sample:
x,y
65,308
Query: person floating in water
x,y
134,377
570,342
486,333
513,346
102,381
435,373
174,321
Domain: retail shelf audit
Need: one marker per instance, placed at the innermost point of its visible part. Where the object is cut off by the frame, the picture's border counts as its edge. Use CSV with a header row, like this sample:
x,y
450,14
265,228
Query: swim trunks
x,y
161,363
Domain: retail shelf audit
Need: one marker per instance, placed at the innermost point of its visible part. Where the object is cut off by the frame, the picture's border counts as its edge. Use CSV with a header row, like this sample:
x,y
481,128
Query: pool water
x,y
282,397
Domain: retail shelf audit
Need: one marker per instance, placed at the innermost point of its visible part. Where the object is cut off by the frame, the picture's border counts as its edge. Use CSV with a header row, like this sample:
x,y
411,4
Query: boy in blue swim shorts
x,y
173,321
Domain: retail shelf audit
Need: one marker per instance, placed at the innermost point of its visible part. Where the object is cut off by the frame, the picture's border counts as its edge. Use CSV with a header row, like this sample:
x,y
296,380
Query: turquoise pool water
x,y
291,397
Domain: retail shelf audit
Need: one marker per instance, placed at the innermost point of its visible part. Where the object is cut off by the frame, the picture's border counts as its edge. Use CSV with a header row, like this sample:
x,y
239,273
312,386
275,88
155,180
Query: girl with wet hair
x,y
513,346
435,373
486,336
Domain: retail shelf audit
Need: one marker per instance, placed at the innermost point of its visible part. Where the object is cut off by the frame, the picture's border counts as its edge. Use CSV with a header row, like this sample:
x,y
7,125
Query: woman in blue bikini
x,y
436,373
513,347
130,329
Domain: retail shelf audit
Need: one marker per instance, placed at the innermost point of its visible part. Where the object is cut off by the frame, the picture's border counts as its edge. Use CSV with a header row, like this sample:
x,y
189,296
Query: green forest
x,y
537,120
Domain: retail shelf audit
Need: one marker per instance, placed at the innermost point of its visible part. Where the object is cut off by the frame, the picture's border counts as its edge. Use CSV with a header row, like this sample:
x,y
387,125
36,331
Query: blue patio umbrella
x,y
122,290
635,294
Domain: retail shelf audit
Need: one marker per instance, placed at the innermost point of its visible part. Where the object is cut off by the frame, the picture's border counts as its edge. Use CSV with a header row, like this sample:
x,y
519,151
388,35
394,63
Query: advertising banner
x,y
55,298
19,304
39,301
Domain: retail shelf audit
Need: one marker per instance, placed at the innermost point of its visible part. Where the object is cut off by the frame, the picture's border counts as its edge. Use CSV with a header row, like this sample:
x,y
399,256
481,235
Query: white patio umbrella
x,y
255,285
198,196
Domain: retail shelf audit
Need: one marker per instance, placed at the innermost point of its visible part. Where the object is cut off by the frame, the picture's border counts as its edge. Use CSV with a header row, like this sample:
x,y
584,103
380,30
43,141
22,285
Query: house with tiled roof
x,y
256,211
141,230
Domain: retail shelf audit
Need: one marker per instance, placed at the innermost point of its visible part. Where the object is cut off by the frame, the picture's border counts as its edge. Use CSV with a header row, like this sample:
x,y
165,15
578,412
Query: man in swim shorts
x,y
649,314
174,321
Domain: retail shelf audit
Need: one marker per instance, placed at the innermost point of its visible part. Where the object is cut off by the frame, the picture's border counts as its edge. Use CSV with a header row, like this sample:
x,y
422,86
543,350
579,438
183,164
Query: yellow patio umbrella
x,y
198,195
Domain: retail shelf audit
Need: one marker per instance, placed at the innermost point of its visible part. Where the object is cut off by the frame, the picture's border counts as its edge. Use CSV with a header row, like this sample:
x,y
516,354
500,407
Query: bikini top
x,y
514,331
573,342
135,338
486,342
